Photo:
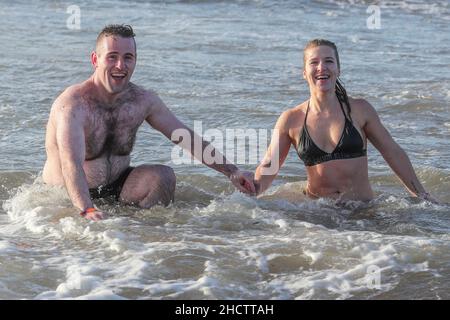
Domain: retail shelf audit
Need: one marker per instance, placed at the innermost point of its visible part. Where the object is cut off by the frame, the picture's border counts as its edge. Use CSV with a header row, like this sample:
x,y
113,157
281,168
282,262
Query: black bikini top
x,y
351,145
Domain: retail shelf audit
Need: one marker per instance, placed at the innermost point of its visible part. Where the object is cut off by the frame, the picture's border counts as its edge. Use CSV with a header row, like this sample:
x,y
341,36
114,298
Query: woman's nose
x,y
321,65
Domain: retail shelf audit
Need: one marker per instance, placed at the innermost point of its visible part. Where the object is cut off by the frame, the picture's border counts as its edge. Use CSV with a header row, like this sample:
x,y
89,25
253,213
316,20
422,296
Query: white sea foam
x,y
115,262
231,248
349,276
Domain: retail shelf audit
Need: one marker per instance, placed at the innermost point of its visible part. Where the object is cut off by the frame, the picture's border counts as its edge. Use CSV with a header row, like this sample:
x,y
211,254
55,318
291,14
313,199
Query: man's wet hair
x,y
121,30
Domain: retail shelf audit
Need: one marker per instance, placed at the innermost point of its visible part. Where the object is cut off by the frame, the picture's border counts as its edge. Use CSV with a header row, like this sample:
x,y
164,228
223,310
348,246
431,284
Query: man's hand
x,y
93,214
243,181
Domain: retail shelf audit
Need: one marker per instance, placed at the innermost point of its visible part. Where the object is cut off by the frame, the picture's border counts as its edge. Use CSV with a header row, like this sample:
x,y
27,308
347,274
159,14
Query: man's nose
x,y
120,64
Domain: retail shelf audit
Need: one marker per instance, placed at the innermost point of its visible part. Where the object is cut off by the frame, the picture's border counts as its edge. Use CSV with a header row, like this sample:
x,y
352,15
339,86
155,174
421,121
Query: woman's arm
x,y
392,153
275,155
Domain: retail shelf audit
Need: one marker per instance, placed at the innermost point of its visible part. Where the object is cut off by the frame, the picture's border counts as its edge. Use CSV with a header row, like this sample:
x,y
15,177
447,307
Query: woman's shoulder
x,y
291,118
362,109
297,111
360,103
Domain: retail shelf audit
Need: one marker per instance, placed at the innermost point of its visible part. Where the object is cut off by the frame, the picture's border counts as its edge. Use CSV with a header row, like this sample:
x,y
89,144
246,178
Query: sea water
x,y
232,65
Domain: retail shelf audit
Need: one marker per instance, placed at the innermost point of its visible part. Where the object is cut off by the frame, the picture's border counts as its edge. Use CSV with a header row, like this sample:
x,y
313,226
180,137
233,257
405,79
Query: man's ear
x,y
94,58
304,74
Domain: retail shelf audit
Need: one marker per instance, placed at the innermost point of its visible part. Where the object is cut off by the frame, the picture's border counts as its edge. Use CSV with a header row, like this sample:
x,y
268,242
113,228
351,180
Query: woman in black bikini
x,y
330,133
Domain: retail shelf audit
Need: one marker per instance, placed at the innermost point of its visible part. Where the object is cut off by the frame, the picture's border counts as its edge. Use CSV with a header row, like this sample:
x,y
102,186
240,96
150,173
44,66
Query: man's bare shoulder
x,y
147,97
150,96
72,95
70,103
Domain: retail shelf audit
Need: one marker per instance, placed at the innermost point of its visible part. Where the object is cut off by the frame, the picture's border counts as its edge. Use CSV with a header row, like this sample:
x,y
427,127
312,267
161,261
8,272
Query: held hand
x,y
93,214
243,181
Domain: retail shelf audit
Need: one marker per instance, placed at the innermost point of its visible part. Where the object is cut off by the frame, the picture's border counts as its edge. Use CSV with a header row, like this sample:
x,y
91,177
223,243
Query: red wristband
x,y
86,211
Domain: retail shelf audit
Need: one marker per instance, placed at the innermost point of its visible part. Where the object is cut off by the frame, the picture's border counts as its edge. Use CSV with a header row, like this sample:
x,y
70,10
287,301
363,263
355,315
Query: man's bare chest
x,y
112,132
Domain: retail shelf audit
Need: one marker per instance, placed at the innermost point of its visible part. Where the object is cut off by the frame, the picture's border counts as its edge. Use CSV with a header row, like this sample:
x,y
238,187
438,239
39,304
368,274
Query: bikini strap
x,y
306,114
343,111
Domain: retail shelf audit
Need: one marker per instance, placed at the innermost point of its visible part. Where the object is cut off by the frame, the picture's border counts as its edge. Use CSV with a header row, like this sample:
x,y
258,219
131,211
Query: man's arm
x,y
163,120
71,147
394,155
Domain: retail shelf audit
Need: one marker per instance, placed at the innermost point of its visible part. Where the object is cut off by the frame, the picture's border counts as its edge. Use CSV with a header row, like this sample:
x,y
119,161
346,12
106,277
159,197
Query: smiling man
x,y
92,128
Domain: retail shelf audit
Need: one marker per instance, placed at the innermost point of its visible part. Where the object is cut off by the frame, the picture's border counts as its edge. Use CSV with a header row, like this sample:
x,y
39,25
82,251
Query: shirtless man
x,y
92,128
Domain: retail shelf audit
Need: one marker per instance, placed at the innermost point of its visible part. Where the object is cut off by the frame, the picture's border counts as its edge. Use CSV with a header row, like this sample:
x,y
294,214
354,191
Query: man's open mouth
x,y
118,76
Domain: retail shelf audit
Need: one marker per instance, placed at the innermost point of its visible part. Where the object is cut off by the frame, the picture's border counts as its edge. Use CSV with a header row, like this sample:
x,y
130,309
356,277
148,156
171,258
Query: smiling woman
x,y
332,140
